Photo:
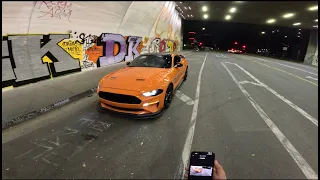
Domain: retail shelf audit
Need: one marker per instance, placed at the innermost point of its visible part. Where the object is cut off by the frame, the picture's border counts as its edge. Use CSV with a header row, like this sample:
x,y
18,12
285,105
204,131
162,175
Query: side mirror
x,y
127,63
178,65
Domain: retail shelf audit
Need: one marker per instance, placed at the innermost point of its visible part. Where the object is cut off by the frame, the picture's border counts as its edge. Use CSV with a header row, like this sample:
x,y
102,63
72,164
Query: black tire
x,y
168,96
185,75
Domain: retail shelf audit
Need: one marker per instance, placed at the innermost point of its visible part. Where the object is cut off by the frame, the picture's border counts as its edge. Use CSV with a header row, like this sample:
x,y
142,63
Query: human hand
x,y
218,171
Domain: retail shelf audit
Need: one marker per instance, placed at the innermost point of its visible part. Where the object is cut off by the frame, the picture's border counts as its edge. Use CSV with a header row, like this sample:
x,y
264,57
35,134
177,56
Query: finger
x,y
185,175
186,168
217,165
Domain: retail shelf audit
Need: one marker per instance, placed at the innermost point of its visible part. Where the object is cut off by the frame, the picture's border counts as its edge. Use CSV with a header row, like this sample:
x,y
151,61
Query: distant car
x,y
145,87
235,51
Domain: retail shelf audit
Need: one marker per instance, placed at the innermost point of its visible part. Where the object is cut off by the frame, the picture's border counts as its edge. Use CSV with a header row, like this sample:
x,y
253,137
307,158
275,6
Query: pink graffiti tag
x,y
57,9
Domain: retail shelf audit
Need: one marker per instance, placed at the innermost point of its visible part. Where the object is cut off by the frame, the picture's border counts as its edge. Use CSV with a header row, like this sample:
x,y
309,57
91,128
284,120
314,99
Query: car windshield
x,y
157,61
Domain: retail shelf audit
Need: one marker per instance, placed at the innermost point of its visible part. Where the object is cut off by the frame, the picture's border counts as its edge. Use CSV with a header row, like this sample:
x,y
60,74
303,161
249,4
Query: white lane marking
x,y
250,82
289,66
312,78
301,111
188,143
301,162
184,97
220,55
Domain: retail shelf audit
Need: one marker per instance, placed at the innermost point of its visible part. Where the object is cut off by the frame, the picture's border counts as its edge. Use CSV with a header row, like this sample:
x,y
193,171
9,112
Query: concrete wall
x,y
312,51
46,39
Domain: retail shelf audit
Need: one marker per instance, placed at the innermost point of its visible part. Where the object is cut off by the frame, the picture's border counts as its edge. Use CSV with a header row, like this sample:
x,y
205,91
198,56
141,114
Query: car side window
x,y
177,59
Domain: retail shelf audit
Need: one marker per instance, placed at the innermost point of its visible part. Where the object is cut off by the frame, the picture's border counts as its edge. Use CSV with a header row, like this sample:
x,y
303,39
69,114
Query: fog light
x,y
148,104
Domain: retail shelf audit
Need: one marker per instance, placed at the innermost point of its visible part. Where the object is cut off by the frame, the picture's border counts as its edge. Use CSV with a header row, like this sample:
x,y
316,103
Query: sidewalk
x,y
25,102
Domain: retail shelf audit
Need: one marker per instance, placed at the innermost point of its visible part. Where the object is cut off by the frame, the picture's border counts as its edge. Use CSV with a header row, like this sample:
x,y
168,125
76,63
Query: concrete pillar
x,y
312,51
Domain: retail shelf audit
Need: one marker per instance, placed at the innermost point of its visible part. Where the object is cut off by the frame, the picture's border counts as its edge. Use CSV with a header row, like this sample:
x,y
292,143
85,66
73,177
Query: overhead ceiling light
x,y
228,17
205,16
204,8
232,10
316,26
270,21
316,20
203,28
263,32
272,31
298,36
313,8
288,15
285,36
299,29
189,7
185,8
188,15
296,24
191,15
180,2
299,32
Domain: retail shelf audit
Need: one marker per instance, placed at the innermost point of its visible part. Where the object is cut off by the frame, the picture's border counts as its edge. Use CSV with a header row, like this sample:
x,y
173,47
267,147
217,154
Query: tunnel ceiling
x,y
254,12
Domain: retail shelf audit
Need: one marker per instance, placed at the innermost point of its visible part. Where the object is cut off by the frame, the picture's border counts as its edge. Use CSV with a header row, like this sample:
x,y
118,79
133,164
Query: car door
x,y
178,71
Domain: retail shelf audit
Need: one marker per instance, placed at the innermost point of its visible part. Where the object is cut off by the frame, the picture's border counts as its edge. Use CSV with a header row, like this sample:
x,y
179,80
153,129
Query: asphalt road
x,y
259,117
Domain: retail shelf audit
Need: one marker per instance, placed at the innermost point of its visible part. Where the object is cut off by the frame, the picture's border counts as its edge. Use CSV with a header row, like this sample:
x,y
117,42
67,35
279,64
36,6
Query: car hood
x,y
135,78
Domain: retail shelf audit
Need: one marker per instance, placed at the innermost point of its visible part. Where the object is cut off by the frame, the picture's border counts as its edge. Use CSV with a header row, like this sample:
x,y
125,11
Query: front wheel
x,y
168,96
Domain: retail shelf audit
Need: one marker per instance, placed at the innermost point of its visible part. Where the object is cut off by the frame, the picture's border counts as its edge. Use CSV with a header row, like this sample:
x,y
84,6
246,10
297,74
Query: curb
x,y
45,109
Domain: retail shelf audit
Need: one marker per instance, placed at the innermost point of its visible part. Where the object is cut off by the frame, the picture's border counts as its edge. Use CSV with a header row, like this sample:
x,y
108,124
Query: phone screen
x,y
201,165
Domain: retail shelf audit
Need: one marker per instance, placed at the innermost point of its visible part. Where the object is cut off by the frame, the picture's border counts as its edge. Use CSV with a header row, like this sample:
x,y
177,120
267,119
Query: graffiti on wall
x,y
30,58
55,9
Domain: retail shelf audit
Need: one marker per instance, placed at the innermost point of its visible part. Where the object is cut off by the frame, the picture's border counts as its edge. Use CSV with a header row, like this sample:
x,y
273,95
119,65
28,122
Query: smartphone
x,y
201,165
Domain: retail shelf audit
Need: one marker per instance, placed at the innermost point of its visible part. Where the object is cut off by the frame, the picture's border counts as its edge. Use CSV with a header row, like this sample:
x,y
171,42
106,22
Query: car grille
x,y
119,98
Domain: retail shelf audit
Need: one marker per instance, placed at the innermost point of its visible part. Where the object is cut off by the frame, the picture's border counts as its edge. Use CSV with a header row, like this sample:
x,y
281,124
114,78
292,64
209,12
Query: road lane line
x,y
282,65
289,66
250,82
301,111
188,143
309,77
301,162
287,73
184,98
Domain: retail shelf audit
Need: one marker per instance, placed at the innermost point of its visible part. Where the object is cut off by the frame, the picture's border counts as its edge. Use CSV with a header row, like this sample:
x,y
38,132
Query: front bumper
x,y
148,108
104,107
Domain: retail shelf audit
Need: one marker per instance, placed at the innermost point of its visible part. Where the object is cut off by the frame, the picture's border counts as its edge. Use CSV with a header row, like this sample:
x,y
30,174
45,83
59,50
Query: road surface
x,y
259,117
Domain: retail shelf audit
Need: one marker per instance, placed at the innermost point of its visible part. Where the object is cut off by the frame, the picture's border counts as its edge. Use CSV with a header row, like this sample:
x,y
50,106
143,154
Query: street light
x,y
204,8
263,32
203,28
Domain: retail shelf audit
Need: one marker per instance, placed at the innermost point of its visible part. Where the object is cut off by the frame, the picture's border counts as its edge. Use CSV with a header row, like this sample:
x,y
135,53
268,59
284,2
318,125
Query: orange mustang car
x,y
145,87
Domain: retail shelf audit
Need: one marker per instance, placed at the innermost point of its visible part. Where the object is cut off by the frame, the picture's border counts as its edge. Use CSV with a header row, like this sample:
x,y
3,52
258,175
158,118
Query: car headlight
x,y
153,93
